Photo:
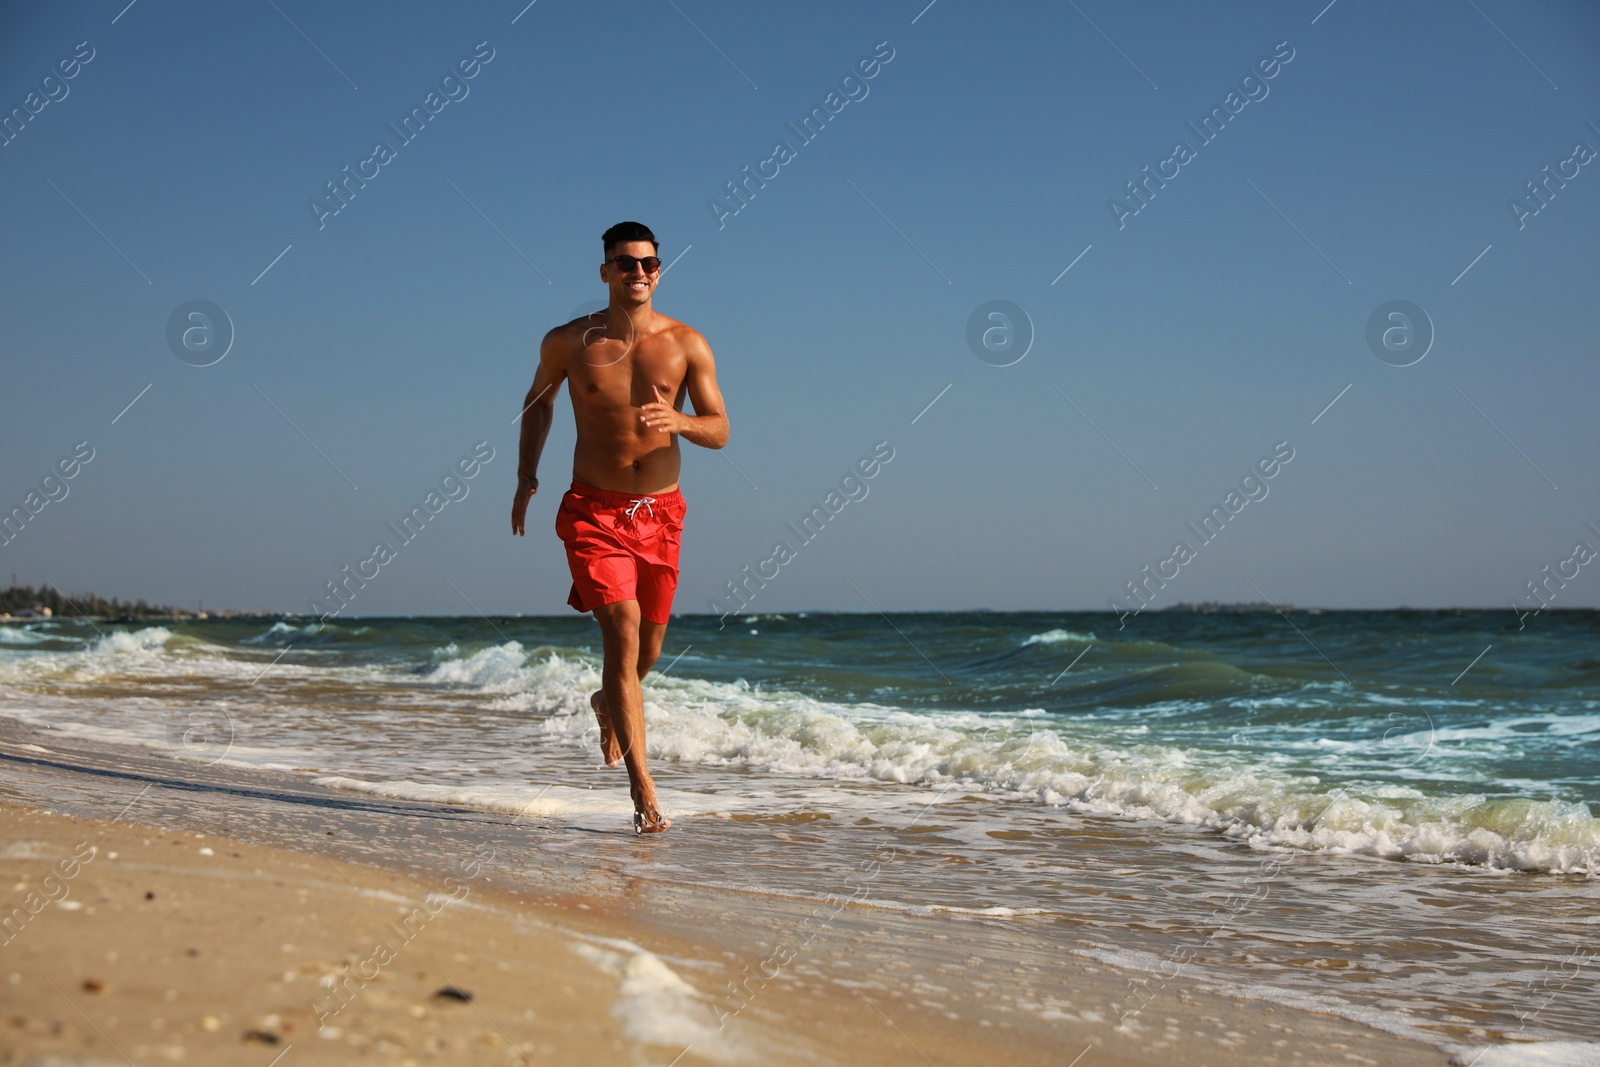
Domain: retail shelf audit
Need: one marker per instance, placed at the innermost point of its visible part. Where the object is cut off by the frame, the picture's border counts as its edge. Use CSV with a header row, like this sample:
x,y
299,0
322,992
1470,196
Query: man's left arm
x,y
708,426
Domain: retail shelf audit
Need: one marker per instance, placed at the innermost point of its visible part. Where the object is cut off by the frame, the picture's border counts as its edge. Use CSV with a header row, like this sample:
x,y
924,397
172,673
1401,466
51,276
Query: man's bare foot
x,y
649,820
610,751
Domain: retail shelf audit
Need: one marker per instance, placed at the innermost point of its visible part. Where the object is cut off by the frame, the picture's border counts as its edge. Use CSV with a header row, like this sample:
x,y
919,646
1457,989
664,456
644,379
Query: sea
x,y
1383,815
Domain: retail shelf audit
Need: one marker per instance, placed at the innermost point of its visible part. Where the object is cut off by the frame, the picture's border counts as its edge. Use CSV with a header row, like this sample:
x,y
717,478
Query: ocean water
x,y
1384,814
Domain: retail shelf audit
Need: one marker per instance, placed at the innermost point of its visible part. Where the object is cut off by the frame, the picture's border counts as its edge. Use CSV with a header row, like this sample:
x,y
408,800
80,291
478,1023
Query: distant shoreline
x,y
183,614
169,616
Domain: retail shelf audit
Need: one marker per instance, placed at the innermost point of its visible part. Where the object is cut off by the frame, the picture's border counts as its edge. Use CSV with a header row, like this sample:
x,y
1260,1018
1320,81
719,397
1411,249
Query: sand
x,y
134,944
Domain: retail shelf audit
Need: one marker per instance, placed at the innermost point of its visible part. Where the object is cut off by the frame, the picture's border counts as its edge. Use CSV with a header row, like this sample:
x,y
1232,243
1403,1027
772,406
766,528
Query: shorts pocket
x,y
566,521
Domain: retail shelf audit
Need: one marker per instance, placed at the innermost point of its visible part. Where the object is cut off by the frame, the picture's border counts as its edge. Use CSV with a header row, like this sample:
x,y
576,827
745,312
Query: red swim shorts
x,y
621,547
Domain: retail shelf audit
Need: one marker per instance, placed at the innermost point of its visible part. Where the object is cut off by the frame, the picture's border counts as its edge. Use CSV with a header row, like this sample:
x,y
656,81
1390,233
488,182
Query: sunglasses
x,y
625,264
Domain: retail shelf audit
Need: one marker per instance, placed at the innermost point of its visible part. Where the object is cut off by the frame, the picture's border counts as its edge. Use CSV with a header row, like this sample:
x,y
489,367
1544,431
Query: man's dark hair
x,y
623,232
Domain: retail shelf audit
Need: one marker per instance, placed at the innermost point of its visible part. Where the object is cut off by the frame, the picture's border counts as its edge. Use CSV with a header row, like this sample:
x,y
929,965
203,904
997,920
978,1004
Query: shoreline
x,y
541,919
1180,608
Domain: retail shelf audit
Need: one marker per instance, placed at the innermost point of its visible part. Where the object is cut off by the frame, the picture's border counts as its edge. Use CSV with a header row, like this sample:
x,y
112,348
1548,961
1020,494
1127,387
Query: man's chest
x,y
627,377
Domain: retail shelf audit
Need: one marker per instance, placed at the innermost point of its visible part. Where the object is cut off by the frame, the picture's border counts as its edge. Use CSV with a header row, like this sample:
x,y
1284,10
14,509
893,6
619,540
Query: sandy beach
x,y
170,945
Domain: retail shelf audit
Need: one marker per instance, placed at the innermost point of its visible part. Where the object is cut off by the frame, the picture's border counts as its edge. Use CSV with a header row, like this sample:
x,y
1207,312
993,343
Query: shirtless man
x,y
629,369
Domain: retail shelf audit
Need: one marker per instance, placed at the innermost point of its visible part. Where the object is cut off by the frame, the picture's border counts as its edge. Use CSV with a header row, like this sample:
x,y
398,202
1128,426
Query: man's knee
x,y
651,636
619,627
619,614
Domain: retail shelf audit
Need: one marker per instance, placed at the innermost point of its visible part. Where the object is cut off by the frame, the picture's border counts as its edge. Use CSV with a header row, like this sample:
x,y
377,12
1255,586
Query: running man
x,y
629,368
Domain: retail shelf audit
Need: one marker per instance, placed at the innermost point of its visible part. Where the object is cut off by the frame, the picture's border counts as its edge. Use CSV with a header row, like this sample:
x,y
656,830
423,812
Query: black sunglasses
x,y
625,264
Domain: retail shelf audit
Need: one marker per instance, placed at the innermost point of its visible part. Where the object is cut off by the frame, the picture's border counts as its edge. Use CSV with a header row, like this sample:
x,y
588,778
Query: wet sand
x,y
181,940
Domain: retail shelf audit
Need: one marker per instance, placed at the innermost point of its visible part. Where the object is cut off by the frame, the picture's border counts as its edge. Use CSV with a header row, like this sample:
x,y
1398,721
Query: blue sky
x,y
1179,349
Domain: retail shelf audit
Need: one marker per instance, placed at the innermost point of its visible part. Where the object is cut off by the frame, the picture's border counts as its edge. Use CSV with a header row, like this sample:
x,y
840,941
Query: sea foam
x,y
1026,758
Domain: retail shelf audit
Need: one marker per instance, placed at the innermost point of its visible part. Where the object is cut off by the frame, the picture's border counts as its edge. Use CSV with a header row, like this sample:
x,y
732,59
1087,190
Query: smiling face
x,y
632,287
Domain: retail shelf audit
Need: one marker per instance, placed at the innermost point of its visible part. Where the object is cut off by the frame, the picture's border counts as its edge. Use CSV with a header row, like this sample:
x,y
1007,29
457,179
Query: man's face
x,y
635,285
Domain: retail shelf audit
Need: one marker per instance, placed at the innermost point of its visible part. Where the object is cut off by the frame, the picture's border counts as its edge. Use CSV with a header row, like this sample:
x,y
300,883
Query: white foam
x,y
496,669
596,808
279,629
1056,637
131,642
656,1006
157,654
22,635
1532,1054
735,725
996,912
1086,765
560,802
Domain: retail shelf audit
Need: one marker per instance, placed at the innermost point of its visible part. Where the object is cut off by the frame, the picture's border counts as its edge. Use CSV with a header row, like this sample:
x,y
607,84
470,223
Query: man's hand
x,y
660,415
526,487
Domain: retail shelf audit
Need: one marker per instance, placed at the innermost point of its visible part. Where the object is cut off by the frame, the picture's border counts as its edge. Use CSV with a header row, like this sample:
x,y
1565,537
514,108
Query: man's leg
x,y
624,703
651,635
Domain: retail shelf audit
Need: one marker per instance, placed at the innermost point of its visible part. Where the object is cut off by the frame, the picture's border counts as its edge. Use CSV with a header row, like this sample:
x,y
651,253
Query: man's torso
x,y
610,378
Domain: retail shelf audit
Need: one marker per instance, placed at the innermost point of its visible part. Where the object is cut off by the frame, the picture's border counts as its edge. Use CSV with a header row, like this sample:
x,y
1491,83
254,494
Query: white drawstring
x,y
646,502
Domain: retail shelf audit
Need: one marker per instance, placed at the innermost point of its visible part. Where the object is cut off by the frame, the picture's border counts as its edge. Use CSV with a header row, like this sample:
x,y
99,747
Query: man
x,y
628,368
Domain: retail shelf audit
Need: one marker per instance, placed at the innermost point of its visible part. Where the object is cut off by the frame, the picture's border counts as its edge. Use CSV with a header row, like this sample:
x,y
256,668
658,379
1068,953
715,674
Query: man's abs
x,y
615,452
654,472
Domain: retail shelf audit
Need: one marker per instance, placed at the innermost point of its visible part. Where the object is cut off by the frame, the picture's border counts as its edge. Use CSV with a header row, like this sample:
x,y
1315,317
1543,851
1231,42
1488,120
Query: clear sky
x,y
373,347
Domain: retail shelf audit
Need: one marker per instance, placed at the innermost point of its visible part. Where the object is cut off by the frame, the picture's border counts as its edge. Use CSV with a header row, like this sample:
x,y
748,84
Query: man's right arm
x,y
538,412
